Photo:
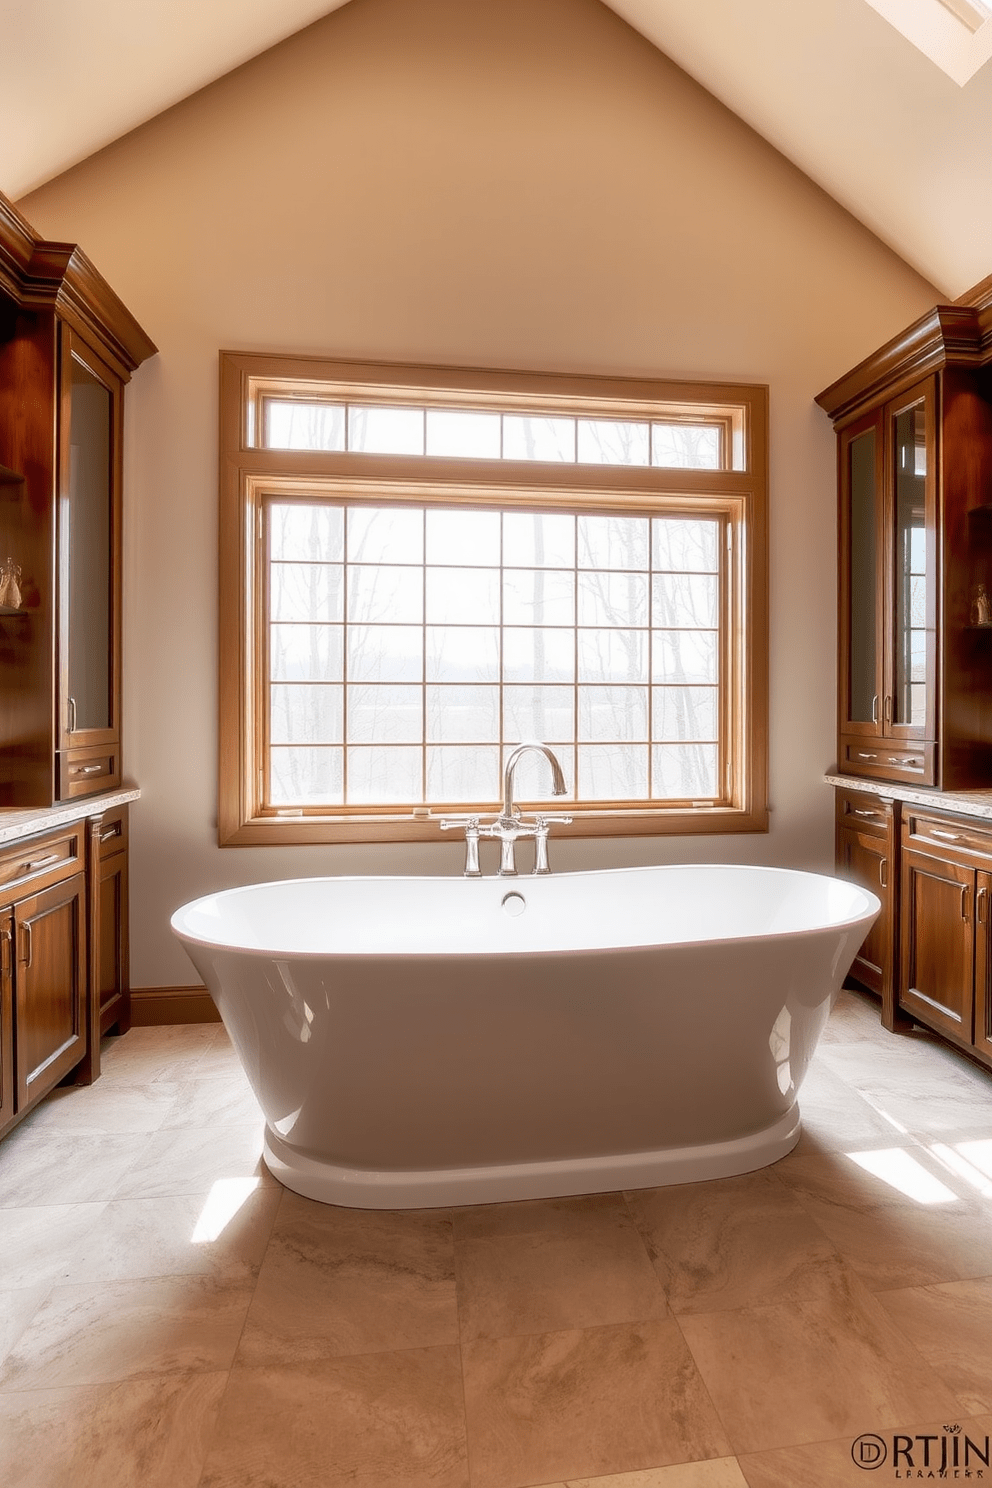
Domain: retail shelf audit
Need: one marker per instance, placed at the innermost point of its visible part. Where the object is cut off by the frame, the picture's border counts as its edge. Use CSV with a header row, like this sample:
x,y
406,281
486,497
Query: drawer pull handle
x,y
945,836
37,863
26,936
964,903
862,755
980,905
874,708
5,939
86,770
883,873
862,811
910,759
72,715
114,831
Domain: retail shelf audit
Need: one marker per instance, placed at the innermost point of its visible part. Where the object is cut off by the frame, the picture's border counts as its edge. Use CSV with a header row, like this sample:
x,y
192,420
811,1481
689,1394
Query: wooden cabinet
x,y
67,348
945,910
63,956
914,429
109,919
867,827
43,948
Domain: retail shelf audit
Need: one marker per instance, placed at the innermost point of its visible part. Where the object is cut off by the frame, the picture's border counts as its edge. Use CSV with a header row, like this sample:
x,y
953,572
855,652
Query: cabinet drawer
x,y
865,813
910,762
948,834
83,771
113,831
39,861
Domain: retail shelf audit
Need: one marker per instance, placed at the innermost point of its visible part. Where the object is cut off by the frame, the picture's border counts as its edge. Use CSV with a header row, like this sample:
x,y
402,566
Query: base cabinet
x,y
63,957
945,909
867,828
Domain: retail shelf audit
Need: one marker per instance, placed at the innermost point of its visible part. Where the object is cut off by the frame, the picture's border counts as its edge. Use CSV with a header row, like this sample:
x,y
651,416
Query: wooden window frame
x,y
250,474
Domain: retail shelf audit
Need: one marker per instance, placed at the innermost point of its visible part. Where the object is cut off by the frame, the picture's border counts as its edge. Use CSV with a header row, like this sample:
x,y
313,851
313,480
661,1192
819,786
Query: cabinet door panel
x,y
7,1101
864,860
861,599
112,944
938,943
983,964
50,981
909,706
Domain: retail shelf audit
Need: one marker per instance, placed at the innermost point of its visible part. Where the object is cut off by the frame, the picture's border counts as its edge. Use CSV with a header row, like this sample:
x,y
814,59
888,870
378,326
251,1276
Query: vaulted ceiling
x,y
830,84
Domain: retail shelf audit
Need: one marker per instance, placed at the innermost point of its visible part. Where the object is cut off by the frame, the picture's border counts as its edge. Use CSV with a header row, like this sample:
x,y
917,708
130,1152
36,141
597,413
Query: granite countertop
x,y
967,803
25,822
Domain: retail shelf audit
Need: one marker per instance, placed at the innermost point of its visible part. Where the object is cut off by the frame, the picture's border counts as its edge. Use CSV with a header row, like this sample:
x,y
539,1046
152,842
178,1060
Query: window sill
x,y
289,830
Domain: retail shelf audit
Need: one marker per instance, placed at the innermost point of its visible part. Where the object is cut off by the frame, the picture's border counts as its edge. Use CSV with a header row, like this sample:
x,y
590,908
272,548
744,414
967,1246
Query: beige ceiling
x,y
827,82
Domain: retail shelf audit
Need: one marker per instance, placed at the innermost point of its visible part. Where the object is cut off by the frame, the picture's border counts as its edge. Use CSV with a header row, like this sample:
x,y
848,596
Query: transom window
x,y
413,585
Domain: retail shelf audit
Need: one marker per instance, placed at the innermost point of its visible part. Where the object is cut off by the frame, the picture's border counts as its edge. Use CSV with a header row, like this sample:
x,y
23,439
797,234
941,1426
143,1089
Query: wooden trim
x,y
41,275
155,1006
946,333
249,475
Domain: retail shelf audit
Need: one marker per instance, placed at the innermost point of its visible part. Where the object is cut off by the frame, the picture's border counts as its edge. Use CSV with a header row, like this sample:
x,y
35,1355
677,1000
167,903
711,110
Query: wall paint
x,y
509,185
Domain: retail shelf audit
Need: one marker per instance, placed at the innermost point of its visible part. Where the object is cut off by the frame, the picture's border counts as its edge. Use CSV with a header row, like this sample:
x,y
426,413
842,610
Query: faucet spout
x,y
558,786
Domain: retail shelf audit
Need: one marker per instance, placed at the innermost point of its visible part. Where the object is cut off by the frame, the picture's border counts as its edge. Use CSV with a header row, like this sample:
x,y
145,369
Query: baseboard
x,y
153,1006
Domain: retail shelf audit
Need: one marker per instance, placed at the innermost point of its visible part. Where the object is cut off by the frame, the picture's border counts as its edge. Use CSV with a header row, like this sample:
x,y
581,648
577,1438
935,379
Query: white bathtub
x,y
431,1041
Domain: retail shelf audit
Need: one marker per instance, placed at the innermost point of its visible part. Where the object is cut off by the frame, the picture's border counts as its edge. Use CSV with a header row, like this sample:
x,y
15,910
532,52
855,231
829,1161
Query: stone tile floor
x,y
170,1317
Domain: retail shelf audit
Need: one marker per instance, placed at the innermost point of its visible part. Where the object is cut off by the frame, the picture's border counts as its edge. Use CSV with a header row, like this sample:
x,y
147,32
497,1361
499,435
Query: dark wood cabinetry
x,y
946,911
867,842
914,429
63,956
67,348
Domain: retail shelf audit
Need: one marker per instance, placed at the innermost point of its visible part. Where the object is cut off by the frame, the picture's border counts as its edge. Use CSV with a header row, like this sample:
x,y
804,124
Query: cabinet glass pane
x,y
863,702
87,538
911,577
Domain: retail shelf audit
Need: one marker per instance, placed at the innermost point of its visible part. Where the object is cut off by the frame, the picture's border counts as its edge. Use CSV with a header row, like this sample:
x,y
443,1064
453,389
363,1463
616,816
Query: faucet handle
x,y
542,819
452,823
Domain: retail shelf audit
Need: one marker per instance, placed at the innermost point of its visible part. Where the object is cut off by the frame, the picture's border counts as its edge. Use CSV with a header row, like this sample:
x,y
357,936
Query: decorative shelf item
x,y
10,587
981,607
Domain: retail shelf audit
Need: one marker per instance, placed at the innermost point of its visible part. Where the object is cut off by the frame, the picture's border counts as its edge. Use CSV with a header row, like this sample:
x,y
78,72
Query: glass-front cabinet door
x,y
888,588
89,523
909,704
862,539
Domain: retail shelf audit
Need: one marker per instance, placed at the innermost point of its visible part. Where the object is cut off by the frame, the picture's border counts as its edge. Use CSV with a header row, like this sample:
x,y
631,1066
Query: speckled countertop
x,y
24,823
967,803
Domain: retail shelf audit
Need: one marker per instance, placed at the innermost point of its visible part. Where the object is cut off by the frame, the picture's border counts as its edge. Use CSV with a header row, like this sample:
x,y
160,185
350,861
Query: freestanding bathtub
x,y
416,1042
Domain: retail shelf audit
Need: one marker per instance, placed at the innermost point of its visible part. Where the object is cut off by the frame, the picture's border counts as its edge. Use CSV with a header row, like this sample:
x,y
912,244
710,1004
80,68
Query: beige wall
x,y
502,184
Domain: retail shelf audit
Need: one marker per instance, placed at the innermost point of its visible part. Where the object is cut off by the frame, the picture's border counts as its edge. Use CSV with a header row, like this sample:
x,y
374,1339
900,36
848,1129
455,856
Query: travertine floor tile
x,y
154,1237
214,1101
351,1281
190,1160
153,1054
96,1334
550,1265
891,1240
151,1432
43,1166
39,1245
16,1311
833,1464
951,1325
736,1242
384,1420
836,1117
784,1375
719,1472
105,1109
854,1016
555,1406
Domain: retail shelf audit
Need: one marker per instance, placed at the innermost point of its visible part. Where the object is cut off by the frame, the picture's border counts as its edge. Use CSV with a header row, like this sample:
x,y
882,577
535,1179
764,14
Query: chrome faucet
x,y
509,826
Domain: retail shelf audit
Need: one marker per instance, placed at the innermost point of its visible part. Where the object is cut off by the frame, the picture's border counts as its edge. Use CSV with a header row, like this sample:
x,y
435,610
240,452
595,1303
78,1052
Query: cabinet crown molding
x,y
947,335
40,275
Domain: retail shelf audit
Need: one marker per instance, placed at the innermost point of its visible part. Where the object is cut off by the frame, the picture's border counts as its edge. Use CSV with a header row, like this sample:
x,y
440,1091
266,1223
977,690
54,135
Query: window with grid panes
x,y
422,569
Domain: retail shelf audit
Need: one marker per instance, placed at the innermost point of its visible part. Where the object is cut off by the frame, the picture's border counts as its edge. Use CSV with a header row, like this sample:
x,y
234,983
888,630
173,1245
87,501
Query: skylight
x,y
956,35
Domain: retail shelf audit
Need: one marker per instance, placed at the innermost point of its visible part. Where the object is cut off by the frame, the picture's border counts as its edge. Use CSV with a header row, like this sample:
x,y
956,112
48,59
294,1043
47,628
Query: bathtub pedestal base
x,y
439,1188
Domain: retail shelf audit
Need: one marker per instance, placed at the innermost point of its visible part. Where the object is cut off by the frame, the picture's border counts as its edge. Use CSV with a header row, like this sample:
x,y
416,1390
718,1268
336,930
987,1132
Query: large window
x,y
423,567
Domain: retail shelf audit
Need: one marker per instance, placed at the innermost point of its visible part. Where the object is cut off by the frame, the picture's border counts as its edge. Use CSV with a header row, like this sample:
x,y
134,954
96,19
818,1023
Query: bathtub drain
x,y
513,903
